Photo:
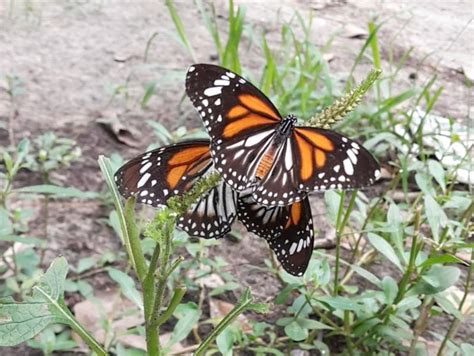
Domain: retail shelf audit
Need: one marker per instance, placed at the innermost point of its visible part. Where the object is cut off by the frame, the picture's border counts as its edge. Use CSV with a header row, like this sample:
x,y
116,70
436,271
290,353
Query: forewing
x,y
240,119
332,161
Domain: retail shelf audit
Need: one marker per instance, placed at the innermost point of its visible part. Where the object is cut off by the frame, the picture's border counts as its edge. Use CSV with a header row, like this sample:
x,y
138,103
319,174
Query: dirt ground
x,y
71,55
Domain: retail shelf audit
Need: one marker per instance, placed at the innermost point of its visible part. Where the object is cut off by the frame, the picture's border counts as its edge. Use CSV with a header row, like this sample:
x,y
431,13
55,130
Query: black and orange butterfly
x,y
155,176
252,145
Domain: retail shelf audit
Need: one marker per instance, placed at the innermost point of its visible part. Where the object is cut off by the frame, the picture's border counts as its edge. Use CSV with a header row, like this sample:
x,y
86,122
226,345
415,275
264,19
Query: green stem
x,y
340,225
239,308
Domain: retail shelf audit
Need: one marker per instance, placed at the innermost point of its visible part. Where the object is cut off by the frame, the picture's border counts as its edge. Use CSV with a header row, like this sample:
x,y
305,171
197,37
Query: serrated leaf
x,y
20,321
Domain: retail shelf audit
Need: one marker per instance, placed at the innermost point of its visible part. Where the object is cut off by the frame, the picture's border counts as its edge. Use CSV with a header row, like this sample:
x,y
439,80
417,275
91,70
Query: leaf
x,y
372,278
295,331
313,324
332,199
6,227
435,215
408,303
437,171
149,91
224,288
127,285
437,279
341,303
390,289
188,315
394,221
384,248
424,183
85,264
225,341
440,260
58,192
20,321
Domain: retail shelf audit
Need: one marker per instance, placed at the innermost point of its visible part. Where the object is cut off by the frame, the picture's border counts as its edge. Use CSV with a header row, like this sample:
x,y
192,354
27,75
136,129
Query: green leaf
x,y
384,248
223,288
188,315
58,192
437,279
341,303
332,199
424,183
313,324
447,306
436,216
6,227
127,285
394,221
372,278
285,293
225,341
85,264
408,303
295,331
149,91
20,321
440,260
390,289
437,171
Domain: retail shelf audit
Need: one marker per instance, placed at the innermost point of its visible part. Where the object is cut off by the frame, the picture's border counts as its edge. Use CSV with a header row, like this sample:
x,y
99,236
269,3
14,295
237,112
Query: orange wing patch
x,y
257,105
235,127
320,158
237,111
295,215
317,139
174,175
306,157
187,155
189,160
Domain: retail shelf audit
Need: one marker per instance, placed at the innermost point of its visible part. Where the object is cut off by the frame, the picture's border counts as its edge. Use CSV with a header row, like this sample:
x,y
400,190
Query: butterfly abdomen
x,y
266,163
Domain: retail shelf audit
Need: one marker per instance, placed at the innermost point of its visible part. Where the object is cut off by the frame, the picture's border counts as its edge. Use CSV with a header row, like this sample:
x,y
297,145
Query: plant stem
x,y
421,323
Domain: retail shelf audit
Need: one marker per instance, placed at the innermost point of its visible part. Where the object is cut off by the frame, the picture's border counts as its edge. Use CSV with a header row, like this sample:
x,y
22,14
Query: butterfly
x,y
155,176
253,146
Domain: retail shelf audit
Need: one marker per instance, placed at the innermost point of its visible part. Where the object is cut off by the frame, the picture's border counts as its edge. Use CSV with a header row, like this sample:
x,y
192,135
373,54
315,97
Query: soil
x,y
70,56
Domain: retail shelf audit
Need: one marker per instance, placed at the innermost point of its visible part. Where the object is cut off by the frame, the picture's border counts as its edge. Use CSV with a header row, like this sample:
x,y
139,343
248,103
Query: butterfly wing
x,y
316,160
212,216
158,175
240,119
287,229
